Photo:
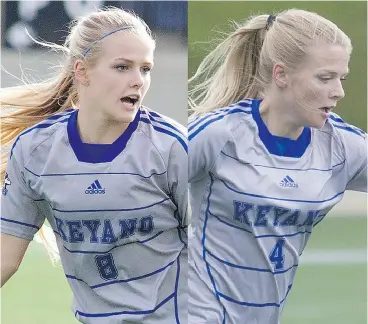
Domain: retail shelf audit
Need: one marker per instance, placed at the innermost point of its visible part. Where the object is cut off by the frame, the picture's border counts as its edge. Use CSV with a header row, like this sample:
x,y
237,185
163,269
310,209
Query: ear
x,y
81,72
280,76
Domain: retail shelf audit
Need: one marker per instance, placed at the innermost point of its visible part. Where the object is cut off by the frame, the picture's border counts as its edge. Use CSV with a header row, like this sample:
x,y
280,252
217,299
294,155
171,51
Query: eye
x,y
146,69
343,79
324,79
122,67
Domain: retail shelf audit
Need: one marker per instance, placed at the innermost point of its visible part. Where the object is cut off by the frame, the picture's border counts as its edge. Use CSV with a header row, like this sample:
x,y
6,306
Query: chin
x,y
124,116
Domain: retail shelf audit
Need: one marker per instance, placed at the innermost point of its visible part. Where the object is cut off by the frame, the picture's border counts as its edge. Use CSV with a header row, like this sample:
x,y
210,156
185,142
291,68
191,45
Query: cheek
x,y
308,91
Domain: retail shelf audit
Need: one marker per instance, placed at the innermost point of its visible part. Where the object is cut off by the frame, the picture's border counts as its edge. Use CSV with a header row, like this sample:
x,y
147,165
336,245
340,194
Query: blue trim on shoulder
x,y
209,122
56,118
280,146
20,223
98,153
338,122
151,115
165,131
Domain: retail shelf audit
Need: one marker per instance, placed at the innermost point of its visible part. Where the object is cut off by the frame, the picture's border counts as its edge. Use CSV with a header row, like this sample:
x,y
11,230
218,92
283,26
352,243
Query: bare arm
x,y
12,252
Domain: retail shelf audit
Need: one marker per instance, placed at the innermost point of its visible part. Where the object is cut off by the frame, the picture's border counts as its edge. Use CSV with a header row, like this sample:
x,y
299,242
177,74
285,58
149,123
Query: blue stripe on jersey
x,y
349,129
338,122
204,241
56,118
20,223
224,315
125,312
113,248
104,210
209,122
113,282
260,236
202,118
151,116
165,131
176,290
180,238
281,199
256,304
250,268
279,168
94,173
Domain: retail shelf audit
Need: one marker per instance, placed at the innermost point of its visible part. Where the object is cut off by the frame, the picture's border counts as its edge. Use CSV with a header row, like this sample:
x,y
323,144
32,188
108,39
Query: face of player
x,y
316,85
121,77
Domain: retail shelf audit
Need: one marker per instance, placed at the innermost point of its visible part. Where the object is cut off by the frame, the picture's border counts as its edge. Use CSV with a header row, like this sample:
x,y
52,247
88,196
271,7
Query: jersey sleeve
x,y
207,136
356,158
20,216
178,180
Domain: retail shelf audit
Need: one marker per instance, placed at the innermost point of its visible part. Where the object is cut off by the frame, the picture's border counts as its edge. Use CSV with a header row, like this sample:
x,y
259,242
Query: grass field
x,y
330,286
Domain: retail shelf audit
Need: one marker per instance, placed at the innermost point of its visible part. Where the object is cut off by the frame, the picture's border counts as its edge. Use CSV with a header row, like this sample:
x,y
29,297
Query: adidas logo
x,y
95,189
288,182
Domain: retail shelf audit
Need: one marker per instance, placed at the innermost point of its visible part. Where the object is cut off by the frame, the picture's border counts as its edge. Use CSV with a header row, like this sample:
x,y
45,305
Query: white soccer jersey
x,y
118,212
255,199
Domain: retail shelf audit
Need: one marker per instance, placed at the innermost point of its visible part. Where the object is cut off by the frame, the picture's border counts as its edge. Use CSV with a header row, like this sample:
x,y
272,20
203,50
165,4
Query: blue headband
x,y
102,37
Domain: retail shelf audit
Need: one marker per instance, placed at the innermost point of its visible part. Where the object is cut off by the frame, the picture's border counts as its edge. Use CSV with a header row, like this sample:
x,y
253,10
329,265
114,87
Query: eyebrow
x,y
119,59
333,72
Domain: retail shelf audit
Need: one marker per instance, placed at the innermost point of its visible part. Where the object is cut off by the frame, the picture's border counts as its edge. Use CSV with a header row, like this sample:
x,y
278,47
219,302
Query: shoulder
x,y
33,136
343,131
221,123
163,132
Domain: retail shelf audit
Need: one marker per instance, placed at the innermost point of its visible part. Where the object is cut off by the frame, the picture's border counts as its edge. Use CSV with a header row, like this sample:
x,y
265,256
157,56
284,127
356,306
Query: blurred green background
x,y
331,282
206,19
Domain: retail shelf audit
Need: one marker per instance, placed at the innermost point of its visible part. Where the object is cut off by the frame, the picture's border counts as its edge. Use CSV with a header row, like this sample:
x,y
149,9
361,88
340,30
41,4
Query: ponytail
x,y
231,71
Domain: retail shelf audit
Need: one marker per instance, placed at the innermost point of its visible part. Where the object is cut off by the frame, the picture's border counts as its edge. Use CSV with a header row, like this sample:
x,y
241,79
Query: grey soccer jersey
x,y
255,199
118,212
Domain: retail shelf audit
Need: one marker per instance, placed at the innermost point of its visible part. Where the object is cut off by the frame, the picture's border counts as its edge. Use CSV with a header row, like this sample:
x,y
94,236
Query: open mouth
x,y
326,109
131,100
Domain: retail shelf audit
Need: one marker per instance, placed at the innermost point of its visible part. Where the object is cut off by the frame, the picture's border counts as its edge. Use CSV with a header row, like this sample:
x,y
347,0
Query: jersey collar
x,y
277,145
98,153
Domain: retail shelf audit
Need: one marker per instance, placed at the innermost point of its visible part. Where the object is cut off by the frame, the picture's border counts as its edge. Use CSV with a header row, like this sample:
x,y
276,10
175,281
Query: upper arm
x,y
356,157
207,137
12,250
20,215
178,180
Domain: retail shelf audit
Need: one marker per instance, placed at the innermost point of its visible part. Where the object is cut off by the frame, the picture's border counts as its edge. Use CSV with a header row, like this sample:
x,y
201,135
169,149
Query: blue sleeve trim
x,y
20,223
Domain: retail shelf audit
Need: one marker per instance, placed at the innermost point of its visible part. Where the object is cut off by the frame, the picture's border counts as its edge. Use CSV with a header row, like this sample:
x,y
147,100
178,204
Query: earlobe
x,y
80,72
279,76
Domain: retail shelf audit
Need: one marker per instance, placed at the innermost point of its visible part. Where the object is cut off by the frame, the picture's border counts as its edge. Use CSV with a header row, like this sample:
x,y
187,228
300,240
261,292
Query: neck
x,y
279,120
95,128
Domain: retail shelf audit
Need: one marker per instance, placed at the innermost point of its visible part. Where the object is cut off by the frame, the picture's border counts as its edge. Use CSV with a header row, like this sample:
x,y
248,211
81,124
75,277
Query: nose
x,y
338,92
137,79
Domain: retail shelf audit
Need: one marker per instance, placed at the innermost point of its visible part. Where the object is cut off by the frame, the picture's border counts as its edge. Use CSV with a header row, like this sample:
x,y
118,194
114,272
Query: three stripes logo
x,y
288,182
95,189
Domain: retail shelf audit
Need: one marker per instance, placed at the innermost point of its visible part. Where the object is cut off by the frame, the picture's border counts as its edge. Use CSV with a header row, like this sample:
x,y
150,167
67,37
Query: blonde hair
x,y
25,105
241,65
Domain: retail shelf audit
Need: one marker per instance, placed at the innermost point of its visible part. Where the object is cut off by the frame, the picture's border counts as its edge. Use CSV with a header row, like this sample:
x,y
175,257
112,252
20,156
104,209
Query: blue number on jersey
x,y
277,256
106,266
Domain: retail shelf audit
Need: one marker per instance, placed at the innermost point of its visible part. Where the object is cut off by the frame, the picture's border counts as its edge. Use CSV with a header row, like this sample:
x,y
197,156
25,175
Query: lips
x,y
327,109
130,99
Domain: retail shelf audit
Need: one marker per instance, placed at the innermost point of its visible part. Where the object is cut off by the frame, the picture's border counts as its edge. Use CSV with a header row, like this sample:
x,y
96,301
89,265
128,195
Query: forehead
x,y
128,45
329,57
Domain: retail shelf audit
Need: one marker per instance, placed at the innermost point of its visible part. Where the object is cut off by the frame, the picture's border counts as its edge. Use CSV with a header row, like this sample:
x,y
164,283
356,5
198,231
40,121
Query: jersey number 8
x,y
106,266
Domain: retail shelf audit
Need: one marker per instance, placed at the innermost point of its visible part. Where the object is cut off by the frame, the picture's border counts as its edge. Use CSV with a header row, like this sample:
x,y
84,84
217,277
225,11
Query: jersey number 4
x,y
277,255
106,266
